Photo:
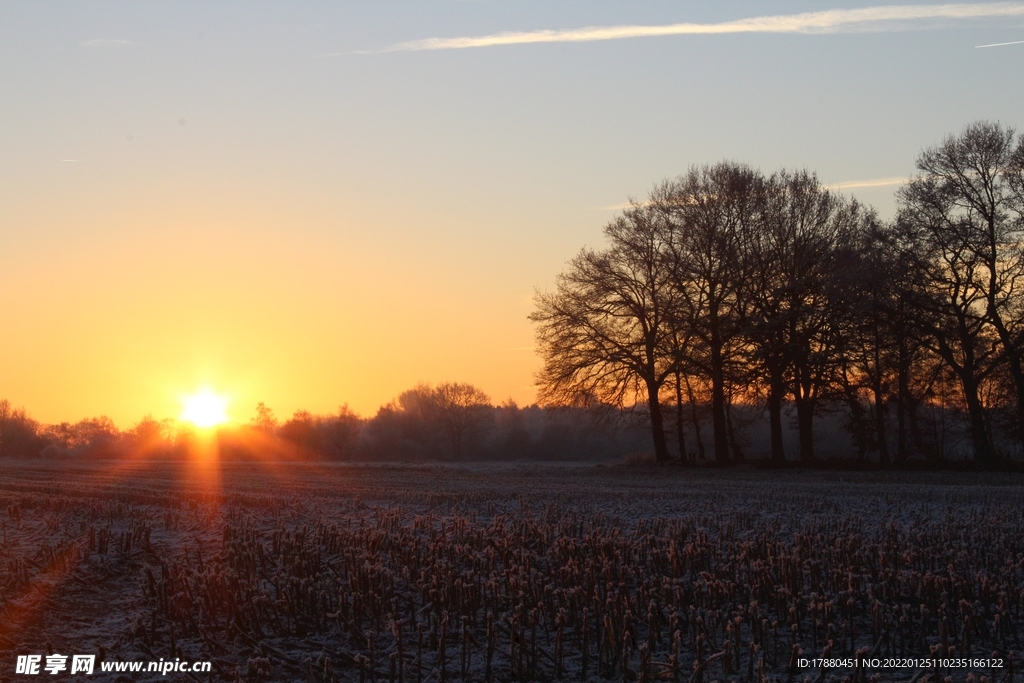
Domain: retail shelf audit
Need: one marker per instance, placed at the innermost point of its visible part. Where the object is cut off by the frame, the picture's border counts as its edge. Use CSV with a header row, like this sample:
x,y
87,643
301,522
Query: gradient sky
x,y
312,204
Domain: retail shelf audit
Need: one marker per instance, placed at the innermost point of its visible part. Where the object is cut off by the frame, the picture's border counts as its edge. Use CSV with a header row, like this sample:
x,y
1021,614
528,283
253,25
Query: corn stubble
x,y
409,575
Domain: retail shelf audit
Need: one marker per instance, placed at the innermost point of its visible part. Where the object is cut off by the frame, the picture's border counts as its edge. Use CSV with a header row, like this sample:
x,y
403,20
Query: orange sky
x,y
139,306
292,203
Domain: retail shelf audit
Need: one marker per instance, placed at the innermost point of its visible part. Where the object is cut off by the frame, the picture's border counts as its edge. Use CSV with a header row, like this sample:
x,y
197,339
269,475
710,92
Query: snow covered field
x,y
288,572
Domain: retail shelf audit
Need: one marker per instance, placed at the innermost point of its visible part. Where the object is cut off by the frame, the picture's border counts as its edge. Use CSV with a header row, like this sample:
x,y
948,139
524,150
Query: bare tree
x,y
264,419
726,285
605,331
949,295
463,410
867,362
794,254
710,210
19,434
343,430
968,203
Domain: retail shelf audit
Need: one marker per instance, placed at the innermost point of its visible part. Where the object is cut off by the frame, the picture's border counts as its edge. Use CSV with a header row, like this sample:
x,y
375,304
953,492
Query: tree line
x,y
728,289
451,421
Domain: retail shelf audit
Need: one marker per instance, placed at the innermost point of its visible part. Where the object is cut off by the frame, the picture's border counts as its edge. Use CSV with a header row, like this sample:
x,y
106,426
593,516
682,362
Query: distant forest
x,y
732,316
449,422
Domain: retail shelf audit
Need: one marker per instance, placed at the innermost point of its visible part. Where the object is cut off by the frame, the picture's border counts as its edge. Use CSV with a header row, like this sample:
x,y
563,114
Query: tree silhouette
x,y
264,419
795,253
964,218
605,332
463,410
710,212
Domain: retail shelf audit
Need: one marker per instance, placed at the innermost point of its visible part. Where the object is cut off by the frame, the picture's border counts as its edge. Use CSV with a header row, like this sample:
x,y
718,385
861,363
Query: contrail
x,y
880,18
1015,42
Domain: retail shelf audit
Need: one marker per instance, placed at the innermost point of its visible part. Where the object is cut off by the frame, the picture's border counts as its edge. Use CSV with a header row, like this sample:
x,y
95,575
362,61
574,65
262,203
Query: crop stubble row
x,y
409,574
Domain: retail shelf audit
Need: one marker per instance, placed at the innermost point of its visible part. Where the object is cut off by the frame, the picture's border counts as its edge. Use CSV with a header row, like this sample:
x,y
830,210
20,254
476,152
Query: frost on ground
x,y
408,574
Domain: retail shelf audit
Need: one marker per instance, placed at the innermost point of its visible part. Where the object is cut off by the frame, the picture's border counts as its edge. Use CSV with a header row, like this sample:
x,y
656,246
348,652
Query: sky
x,y
312,204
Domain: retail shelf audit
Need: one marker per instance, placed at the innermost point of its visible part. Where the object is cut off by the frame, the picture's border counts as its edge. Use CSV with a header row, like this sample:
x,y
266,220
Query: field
x,y
406,574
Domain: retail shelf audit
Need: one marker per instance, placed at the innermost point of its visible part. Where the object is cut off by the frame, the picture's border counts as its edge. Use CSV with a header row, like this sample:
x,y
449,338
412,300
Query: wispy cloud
x,y
105,42
881,18
1013,42
874,182
615,207
73,161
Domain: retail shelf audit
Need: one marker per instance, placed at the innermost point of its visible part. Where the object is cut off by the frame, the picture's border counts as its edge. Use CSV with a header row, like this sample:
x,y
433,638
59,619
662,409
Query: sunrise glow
x,y
204,409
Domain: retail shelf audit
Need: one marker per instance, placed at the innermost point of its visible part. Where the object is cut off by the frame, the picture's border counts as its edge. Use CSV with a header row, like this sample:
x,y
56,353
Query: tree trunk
x,y
1013,362
734,444
776,392
858,422
657,425
679,418
983,451
967,372
696,420
883,443
902,401
930,451
718,419
804,413
805,425
876,387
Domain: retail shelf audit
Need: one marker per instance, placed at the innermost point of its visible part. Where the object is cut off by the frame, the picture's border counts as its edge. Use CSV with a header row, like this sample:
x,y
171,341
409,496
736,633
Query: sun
x,y
204,409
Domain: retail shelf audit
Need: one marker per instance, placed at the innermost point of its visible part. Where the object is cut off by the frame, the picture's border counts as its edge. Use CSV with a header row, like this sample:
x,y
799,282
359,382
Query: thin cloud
x,y
73,161
105,42
1014,42
619,207
881,18
875,182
